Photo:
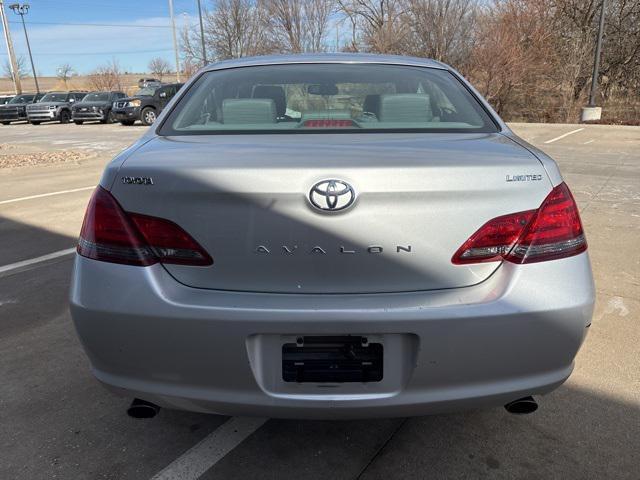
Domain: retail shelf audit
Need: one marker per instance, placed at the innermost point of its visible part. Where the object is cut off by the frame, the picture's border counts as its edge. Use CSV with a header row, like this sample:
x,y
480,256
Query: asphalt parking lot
x,y
56,421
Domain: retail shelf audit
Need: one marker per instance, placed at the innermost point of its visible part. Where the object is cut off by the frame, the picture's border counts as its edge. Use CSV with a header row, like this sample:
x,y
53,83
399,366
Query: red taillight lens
x,y
111,235
553,231
494,239
328,123
169,242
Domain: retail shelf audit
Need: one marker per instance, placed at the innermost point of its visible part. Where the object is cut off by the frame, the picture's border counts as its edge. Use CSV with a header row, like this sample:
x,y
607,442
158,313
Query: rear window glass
x,y
326,97
146,92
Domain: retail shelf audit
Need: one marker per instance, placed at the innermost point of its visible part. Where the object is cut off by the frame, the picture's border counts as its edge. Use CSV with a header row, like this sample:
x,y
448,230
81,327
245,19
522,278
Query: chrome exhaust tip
x,y
522,406
142,409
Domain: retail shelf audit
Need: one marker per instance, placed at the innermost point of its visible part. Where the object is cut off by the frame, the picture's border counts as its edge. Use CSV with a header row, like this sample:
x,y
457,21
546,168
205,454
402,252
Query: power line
x,y
99,53
67,24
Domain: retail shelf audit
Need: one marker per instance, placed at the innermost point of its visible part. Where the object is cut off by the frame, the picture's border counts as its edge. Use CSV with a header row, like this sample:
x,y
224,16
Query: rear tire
x,y
78,122
6,123
34,122
148,116
65,116
127,123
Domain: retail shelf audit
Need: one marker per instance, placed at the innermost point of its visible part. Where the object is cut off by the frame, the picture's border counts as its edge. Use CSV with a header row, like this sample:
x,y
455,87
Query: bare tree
x,y
531,58
441,29
233,29
159,67
299,25
513,49
377,24
107,77
189,67
21,63
64,73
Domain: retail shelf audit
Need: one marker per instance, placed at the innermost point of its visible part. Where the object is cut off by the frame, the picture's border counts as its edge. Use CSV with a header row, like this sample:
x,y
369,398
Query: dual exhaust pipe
x,y
143,409
522,406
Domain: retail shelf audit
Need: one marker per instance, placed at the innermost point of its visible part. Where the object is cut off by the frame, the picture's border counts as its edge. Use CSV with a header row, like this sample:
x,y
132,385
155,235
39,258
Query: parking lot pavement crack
x,y
382,447
621,164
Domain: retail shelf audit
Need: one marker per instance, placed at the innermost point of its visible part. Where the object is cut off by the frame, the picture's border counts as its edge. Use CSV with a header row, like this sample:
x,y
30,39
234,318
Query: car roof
x,y
327,58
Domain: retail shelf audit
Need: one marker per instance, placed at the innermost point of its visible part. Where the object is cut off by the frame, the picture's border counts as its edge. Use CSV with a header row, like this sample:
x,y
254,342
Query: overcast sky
x,y
137,31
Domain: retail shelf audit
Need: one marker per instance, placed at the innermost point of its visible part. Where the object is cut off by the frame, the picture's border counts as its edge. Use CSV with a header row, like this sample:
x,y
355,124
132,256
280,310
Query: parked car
x,y
16,109
331,236
95,106
149,82
54,107
4,99
145,105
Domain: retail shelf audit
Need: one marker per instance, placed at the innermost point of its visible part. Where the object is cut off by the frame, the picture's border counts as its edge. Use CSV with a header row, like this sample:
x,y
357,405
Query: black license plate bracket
x,y
332,359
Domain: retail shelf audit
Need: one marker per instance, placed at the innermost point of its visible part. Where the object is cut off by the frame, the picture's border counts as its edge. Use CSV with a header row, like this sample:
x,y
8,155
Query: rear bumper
x,y
513,335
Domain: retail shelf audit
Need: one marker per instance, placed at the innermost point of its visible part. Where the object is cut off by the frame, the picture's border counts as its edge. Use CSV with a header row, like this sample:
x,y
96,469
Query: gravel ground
x,y
16,160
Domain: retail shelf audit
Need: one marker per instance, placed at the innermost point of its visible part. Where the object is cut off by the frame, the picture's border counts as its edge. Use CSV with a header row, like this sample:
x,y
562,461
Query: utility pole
x,y
175,41
13,64
591,112
204,50
22,10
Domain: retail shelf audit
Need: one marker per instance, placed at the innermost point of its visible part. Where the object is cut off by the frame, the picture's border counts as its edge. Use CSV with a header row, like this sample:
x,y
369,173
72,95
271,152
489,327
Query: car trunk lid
x,y
245,199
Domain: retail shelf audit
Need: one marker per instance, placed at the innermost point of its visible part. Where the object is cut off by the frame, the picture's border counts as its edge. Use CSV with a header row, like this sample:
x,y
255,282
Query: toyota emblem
x,y
332,195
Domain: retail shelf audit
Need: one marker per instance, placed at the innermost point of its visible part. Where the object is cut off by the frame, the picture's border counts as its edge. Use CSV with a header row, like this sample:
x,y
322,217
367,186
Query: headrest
x,y
275,93
248,111
372,104
405,108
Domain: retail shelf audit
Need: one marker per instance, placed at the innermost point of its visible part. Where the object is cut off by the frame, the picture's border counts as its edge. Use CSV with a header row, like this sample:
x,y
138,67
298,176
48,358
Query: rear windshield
x,y
97,97
307,98
146,92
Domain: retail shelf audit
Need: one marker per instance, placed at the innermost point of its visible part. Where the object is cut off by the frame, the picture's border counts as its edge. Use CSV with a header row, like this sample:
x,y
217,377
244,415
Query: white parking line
x,y
564,135
205,454
61,192
43,258
588,142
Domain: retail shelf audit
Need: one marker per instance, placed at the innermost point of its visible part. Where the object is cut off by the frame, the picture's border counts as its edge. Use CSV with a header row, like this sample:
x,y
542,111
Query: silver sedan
x,y
331,236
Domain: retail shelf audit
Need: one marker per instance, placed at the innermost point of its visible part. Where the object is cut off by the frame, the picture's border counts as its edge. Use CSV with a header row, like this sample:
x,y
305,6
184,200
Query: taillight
x,y
112,235
551,232
328,123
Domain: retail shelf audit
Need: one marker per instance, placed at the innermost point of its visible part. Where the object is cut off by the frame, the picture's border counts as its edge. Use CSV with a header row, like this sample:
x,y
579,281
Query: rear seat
x,y
248,111
405,108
